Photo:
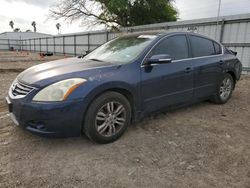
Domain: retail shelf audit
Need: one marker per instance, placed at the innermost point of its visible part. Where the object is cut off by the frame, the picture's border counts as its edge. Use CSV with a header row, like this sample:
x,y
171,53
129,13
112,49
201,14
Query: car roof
x,y
158,33
162,33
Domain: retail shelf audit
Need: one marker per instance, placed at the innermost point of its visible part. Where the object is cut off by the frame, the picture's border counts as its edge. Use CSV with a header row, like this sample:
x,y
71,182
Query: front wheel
x,y
225,90
107,117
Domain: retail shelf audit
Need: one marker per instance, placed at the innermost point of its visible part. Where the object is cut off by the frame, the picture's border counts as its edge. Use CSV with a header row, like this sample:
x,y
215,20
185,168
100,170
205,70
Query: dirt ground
x,y
204,145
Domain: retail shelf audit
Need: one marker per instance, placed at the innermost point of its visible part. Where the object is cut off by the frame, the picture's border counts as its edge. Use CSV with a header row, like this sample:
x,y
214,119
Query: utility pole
x,y
218,15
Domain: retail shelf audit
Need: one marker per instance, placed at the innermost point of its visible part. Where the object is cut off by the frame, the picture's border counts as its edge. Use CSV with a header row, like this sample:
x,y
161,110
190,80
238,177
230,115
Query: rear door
x,y
168,84
208,65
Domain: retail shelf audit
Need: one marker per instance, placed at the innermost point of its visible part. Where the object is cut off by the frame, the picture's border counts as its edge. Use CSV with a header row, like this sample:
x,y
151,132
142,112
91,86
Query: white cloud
x,y
41,3
23,13
193,9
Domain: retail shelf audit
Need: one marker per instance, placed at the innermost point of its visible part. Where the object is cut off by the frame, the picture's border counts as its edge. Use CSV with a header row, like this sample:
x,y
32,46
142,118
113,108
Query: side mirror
x,y
159,59
87,52
233,52
84,53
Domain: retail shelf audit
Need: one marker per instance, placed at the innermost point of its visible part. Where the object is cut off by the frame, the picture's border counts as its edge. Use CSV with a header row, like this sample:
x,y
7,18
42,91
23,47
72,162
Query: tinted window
x,y
217,48
201,46
175,46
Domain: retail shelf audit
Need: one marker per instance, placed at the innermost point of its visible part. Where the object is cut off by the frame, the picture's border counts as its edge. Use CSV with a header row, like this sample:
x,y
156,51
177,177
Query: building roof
x,y
22,35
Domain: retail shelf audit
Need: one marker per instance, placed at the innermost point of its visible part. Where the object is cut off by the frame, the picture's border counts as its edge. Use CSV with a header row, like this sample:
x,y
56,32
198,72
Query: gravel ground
x,y
18,61
204,145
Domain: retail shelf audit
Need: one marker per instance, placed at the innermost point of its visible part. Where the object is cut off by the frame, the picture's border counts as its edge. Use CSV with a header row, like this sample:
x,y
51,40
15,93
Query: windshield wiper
x,y
96,60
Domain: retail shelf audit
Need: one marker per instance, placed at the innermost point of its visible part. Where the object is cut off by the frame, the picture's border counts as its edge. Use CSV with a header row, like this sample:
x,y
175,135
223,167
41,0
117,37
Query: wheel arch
x,y
127,92
233,76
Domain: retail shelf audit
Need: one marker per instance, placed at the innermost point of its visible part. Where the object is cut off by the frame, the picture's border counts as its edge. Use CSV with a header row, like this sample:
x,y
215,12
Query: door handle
x,y
221,62
188,70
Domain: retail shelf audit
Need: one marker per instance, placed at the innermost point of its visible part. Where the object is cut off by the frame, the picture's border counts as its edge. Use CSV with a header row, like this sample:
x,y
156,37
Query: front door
x,y
168,84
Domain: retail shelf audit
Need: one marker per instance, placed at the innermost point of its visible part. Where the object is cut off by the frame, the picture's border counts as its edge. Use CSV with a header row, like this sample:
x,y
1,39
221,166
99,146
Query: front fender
x,y
109,87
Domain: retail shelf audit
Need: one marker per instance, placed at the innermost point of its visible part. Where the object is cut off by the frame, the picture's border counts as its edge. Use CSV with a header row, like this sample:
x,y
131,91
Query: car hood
x,y
59,68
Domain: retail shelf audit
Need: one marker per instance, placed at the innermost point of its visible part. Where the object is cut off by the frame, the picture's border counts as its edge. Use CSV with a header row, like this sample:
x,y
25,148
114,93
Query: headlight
x,y
58,91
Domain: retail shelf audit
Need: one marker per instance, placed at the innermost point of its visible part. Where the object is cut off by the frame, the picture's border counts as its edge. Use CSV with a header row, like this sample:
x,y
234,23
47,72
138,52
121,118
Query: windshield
x,y
121,50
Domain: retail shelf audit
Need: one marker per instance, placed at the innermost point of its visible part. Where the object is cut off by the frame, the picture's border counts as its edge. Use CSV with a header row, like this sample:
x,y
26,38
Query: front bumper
x,y
55,119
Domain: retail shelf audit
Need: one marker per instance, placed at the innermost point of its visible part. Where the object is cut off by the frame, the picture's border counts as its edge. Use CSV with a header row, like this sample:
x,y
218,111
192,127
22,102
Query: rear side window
x,y
201,46
217,48
175,46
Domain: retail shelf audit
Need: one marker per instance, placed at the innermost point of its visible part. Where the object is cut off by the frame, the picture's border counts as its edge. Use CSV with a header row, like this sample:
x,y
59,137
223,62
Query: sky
x,y
23,12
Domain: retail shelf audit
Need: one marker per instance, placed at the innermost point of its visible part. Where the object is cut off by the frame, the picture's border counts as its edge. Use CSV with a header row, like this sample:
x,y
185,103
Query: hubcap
x,y
225,88
110,118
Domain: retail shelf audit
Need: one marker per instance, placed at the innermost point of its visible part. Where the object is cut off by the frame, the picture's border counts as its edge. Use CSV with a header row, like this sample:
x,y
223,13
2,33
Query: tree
x,y
17,30
28,30
115,13
34,25
58,25
11,23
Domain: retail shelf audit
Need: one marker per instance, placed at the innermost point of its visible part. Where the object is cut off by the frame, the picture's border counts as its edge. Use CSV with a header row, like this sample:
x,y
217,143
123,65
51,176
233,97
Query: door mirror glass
x,y
159,59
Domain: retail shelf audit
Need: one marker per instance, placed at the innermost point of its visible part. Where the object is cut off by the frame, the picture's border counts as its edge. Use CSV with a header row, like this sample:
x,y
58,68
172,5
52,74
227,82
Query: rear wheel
x,y
107,117
225,90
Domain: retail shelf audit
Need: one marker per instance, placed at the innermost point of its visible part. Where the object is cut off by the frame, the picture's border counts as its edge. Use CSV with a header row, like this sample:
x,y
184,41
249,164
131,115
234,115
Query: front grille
x,y
20,89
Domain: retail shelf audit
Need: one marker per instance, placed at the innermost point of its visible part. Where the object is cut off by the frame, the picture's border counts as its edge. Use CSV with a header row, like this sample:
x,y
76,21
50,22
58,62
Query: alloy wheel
x,y
226,88
110,118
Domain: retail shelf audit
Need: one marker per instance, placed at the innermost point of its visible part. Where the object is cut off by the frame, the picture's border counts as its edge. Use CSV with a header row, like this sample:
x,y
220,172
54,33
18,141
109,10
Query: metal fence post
x,y
75,45
21,42
34,45
54,44
40,45
63,45
9,43
88,42
30,44
107,36
47,45
222,30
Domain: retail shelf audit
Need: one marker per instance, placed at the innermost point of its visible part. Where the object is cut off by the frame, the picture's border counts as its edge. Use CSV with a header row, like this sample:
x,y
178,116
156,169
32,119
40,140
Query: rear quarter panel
x,y
233,64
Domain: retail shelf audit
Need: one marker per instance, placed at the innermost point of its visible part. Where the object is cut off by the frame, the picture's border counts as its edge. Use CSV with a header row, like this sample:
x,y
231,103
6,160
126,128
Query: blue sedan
x,y
122,81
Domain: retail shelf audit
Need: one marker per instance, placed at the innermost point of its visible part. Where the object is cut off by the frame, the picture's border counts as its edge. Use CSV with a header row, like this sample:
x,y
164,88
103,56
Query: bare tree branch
x,y
114,13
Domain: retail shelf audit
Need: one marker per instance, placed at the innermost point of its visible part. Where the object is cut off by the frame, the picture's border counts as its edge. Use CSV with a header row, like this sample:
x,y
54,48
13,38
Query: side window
x,y
201,46
217,48
175,46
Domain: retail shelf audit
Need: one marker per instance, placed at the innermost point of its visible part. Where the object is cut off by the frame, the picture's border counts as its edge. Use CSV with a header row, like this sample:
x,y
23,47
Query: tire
x,y
224,90
107,118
